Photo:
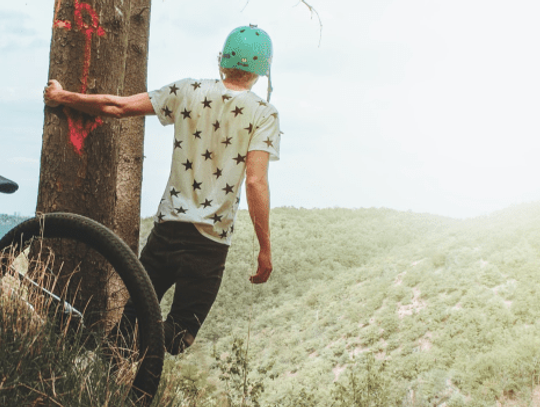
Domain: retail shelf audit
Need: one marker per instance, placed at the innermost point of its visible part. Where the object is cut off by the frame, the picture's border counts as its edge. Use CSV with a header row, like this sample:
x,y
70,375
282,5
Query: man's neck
x,y
237,85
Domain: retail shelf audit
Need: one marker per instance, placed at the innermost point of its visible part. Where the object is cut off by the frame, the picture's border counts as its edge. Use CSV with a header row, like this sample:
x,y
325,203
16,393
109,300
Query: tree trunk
x,y
130,142
79,152
131,138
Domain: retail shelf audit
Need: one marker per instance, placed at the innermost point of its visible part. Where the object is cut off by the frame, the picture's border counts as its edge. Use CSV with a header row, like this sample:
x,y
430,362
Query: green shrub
x,y
367,384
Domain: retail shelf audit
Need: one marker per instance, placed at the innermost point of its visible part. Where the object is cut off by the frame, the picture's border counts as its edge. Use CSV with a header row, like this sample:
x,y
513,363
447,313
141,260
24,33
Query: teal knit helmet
x,y
248,48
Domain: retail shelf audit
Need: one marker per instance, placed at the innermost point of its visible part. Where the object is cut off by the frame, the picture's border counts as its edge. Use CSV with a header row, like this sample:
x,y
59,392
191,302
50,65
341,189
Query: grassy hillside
x,y
366,307
374,306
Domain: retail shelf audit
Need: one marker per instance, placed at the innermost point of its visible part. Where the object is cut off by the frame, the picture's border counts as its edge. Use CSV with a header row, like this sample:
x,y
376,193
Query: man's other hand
x,y
50,92
264,270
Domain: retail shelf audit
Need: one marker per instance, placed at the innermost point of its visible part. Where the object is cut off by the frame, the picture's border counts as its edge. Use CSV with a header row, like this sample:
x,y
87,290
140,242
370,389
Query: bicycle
x,y
126,277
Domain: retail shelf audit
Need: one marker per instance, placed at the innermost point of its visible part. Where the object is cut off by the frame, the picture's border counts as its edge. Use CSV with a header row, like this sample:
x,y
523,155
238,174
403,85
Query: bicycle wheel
x,y
124,278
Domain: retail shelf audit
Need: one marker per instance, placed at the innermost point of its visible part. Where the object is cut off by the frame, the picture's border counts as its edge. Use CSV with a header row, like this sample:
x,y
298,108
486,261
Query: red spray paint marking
x,y
79,129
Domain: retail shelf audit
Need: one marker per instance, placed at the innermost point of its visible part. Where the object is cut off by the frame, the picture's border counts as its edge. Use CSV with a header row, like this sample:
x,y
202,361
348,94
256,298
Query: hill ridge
x,y
450,306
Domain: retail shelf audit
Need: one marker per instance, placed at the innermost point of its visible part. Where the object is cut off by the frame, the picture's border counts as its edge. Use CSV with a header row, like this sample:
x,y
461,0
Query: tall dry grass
x,y
47,356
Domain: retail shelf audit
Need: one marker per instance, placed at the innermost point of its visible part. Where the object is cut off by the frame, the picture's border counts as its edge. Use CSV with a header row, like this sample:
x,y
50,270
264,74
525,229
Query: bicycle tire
x,y
127,266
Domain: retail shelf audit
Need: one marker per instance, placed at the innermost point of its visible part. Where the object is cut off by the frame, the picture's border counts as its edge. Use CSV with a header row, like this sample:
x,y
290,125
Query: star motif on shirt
x,y
196,185
237,111
167,111
232,229
177,143
237,199
223,234
186,113
262,103
216,125
197,134
188,165
207,155
180,210
227,142
196,85
275,115
160,217
217,218
226,97
173,88
174,192
218,173
249,128
268,142
207,203
228,189
206,103
240,159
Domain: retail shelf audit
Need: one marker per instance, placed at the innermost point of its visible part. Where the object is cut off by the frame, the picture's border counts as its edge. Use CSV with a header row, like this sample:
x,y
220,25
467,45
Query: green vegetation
x,y
366,307
374,307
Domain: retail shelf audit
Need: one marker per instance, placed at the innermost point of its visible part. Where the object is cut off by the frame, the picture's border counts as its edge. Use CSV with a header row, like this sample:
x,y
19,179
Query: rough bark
x,y
78,158
131,138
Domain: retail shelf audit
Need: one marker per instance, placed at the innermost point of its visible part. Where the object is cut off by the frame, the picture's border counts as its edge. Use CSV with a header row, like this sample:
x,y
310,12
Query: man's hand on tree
x,y
50,92
264,270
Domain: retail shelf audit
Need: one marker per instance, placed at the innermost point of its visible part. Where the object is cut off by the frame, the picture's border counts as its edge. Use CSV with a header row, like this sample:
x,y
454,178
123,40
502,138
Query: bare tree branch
x,y
314,12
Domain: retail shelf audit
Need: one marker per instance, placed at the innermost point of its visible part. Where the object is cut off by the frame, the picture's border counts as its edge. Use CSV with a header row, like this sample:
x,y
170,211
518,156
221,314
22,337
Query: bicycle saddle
x,y
7,186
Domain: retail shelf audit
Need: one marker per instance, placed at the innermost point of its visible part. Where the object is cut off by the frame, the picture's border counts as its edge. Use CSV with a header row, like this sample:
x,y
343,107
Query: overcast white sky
x,y
423,105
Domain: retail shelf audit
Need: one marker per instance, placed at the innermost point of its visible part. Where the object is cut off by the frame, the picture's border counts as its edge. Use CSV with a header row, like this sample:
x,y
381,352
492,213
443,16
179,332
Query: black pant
x,y
176,253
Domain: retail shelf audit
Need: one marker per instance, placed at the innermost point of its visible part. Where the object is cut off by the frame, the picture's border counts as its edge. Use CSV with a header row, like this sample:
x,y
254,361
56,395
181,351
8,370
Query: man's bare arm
x,y
258,197
98,105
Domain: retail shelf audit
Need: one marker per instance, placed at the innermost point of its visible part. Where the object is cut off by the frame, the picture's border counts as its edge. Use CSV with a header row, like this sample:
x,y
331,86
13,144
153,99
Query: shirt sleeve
x,y
166,100
267,134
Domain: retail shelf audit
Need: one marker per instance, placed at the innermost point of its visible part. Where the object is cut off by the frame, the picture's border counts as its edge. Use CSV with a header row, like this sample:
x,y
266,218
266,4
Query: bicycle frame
x,y
147,354
7,186
67,307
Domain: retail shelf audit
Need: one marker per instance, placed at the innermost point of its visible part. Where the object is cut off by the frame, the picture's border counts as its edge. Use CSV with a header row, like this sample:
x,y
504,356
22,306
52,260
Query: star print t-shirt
x,y
214,128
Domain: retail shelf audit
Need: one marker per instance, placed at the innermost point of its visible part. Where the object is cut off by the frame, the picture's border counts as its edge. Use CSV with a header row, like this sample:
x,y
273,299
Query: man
x,y
223,134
